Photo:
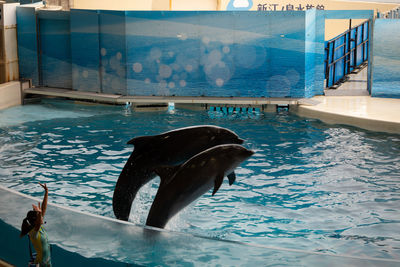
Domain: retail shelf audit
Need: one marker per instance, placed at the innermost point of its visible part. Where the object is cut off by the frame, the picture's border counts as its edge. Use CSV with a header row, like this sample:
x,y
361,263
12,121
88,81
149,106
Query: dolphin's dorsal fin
x,y
140,141
217,182
166,173
232,178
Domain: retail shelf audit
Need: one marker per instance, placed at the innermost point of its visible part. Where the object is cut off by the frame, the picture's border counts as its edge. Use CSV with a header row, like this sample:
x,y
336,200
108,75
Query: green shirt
x,y
41,244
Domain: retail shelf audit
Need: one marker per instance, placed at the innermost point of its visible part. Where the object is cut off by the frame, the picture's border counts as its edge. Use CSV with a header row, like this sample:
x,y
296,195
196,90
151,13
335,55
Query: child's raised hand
x,y
44,186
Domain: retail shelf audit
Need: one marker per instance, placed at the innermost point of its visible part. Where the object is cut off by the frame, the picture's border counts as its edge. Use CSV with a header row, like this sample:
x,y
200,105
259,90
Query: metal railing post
x,y
327,64
355,48
344,54
334,63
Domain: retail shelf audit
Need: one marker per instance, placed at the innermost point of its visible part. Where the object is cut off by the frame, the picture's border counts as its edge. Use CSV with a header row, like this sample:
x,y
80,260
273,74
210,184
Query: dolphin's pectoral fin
x,y
232,178
217,183
166,173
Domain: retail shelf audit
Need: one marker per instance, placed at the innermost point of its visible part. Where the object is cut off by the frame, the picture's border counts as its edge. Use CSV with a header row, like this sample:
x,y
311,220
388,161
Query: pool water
x,y
309,186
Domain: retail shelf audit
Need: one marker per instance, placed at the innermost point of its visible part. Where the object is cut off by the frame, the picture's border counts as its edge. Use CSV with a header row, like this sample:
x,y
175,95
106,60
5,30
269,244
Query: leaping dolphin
x,y
169,148
181,185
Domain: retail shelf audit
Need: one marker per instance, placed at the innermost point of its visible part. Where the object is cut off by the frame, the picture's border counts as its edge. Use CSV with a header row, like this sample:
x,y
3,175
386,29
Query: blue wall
x,y
113,51
27,44
55,49
314,54
249,54
243,54
386,61
85,50
16,251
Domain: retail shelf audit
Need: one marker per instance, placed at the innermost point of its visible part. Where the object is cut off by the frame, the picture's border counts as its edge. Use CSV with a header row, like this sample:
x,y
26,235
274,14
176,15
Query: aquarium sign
x,y
288,7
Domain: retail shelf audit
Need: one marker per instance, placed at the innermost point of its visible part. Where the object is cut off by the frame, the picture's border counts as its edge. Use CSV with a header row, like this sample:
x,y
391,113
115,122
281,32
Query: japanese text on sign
x,y
288,7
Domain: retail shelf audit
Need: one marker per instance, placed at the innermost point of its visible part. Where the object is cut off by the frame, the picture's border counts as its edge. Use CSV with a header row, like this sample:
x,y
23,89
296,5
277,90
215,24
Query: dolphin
x,y
169,148
181,185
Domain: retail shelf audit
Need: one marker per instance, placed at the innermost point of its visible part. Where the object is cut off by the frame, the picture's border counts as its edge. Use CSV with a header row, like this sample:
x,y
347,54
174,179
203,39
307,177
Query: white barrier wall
x,y
10,95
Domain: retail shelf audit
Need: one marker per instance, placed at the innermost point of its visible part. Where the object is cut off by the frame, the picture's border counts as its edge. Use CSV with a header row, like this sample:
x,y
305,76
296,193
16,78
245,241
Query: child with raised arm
x,y
32,225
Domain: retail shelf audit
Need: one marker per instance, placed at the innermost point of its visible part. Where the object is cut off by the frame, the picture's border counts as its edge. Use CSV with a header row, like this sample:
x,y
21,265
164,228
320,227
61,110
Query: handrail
x,y
354,39
347,53
343,33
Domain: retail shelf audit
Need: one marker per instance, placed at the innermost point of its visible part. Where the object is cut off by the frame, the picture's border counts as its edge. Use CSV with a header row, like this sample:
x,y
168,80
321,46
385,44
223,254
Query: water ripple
x,y
329,188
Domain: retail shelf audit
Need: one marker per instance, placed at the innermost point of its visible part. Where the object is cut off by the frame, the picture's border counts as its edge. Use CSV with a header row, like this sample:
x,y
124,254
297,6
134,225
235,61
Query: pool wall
x,y
386,60
27,44
174,53
16,251
80,238
193,53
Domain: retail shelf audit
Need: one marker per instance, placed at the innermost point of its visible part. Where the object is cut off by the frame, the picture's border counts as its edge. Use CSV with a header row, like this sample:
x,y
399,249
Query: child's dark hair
x,y
29,222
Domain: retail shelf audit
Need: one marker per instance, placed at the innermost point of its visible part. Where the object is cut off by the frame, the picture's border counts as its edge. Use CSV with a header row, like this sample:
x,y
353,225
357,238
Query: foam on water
x,y
30,113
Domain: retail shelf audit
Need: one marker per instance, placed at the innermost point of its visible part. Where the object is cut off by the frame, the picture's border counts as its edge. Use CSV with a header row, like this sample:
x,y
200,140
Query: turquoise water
x,y
309,186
